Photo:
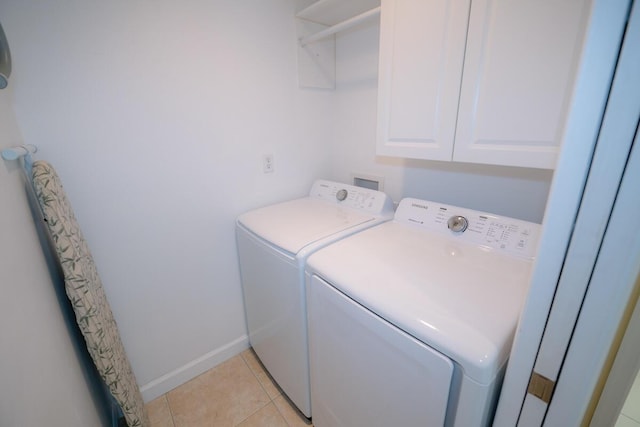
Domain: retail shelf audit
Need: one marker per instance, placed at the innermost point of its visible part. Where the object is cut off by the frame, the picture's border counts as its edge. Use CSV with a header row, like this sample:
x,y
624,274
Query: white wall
x,y
41,380
516,192
156,115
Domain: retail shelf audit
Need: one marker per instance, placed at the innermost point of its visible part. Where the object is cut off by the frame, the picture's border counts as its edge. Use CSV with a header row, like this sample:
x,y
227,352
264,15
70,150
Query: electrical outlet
x,y
267,163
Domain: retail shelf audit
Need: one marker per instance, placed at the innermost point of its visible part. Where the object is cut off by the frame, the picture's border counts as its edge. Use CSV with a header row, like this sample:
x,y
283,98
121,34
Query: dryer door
x,y
367,372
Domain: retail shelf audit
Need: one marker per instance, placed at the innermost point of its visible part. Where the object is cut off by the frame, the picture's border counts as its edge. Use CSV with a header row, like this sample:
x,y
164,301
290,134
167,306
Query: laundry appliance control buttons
x,y
457,223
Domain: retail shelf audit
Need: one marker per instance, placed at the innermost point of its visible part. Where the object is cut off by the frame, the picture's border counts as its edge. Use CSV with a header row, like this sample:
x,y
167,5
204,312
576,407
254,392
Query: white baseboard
x,y
167,382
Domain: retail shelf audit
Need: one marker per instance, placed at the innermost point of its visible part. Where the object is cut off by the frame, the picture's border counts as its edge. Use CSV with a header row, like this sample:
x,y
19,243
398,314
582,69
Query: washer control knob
x,y
341,195
457,223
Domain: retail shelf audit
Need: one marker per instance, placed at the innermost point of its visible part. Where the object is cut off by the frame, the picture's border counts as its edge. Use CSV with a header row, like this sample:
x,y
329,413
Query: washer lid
x,y
331,208
295,224
460,298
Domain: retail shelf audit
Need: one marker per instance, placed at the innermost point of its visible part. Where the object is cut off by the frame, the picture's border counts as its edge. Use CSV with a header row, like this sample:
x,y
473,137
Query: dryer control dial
x,y
457,223
341,195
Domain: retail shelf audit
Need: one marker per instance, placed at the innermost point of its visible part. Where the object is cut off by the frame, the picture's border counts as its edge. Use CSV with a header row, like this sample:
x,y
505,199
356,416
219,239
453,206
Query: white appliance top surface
x,y
460,297
297,223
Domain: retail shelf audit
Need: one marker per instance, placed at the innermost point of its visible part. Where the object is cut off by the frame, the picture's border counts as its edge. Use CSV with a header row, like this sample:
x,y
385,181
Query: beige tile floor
x,y
238,392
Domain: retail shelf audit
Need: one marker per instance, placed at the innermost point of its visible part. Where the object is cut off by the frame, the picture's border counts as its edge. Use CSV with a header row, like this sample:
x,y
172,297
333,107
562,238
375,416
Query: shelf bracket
x,y
316,61
316,49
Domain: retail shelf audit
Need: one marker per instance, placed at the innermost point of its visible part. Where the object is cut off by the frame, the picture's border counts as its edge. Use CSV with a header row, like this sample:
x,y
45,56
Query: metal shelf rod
x,y
351,22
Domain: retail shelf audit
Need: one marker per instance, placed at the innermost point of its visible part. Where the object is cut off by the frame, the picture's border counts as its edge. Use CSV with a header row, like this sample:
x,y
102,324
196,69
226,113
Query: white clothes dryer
x,y
273,245
411,322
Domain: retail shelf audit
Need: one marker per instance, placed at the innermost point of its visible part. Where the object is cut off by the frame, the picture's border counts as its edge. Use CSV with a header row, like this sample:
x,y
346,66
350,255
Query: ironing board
x,y
84,289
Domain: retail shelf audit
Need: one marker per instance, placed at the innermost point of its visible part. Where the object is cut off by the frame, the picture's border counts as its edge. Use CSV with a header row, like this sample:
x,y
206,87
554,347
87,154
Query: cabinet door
x,y
519,69
422,46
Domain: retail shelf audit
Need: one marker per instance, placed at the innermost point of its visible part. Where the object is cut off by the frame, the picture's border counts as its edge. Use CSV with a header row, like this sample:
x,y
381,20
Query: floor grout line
x,y
263,389
252,414
622,416
631,417
166,398
281,414
271,399
255,376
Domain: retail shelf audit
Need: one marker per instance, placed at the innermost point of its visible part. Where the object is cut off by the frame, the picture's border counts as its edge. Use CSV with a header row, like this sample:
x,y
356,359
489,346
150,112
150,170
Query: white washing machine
x,y
411,322
273,245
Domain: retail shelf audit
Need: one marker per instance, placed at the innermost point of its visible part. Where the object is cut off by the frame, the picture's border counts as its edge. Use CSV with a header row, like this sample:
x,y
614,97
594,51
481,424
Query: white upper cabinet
x,y
508,106
421,55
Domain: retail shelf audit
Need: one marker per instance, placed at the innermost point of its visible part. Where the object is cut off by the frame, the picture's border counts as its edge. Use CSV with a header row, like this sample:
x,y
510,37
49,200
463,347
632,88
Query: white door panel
x,y
610,288
604,37
594,272
616,137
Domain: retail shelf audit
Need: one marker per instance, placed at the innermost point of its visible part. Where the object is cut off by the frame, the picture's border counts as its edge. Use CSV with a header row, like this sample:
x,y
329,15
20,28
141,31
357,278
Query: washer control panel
x,y
496,232
350,196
